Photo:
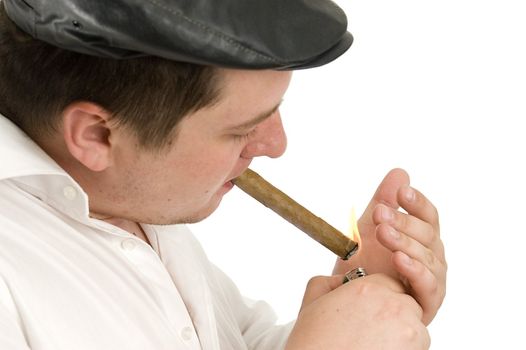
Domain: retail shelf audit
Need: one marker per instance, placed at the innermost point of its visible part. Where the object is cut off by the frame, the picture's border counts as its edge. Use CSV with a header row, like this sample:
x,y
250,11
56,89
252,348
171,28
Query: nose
x,y
269,140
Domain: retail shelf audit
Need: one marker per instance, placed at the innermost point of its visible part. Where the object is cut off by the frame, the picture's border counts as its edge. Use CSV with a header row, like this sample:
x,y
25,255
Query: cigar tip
x,y
351,252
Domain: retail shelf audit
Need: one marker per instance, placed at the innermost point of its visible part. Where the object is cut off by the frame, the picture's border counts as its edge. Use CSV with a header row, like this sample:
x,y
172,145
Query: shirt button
x,y
69,192
128,245
187,333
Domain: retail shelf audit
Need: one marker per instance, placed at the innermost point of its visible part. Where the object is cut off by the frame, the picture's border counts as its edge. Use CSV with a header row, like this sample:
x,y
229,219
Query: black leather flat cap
x,y
250,34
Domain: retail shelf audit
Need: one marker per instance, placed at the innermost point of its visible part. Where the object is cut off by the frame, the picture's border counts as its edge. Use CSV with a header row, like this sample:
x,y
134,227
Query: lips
x,y
229,184
245,163
245,167
231,180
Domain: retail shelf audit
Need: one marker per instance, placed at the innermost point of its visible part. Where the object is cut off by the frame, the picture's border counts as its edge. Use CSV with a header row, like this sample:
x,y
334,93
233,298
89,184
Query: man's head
x,y
149,139
186,180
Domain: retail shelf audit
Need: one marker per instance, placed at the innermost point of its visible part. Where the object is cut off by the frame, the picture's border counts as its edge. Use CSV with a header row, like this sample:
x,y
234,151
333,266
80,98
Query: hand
x,y
368,313
406,246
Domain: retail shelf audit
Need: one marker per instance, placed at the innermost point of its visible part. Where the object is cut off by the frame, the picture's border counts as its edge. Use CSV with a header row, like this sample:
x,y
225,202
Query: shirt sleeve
x,y
11,335
257,321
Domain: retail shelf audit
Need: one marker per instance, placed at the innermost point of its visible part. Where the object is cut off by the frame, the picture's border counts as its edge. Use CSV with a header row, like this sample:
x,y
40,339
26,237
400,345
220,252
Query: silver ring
x,y
354,274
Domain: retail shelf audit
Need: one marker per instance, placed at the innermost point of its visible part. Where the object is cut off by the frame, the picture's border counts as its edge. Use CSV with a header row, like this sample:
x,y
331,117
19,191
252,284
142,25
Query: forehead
x,y
242,97
246,94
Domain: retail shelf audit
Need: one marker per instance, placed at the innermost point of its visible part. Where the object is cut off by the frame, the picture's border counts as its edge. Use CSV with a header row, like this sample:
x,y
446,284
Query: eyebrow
x,y
258,119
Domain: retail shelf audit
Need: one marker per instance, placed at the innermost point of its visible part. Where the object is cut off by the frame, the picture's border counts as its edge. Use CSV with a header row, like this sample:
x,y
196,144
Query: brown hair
x,y
149,95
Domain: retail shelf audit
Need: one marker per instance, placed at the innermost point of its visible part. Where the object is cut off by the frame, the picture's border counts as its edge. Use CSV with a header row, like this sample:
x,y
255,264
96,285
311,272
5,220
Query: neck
x,y
131,226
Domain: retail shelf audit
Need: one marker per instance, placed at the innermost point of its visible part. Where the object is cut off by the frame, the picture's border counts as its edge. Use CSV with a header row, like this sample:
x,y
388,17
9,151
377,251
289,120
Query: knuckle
x,y
410,333
433,288
432,235
425,337
430,259
403,220
415,336
364,288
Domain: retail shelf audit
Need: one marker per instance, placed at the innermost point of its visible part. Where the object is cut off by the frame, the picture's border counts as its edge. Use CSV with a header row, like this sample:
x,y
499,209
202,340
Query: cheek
x,y
198,177
219,160
201,169
216,171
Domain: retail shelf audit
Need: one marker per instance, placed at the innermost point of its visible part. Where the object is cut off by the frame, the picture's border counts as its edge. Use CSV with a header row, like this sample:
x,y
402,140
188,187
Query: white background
x,y
437,88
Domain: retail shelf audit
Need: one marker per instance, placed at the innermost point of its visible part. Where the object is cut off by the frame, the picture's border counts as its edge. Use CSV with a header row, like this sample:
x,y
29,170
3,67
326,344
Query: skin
x,y
186,181
370,313
405,246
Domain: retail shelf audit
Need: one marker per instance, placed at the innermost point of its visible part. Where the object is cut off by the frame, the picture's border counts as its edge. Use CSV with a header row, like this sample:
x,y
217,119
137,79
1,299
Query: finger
x,y
387,191
395,240
424,286
417,205
321,285
418,266
412,226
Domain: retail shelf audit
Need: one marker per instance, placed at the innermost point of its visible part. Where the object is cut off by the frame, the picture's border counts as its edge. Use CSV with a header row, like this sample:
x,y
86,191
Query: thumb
x,y
386,192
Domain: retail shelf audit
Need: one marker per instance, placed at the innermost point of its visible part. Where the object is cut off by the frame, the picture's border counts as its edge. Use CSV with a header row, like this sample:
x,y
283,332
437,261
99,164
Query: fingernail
x,y
387,214
409,194
394,233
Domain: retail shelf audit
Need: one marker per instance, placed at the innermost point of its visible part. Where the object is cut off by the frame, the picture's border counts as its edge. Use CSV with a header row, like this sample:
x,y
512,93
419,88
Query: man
x,y
124,120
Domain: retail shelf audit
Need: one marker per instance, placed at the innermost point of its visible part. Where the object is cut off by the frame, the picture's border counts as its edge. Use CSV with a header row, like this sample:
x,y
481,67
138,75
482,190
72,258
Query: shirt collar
x,y
33,170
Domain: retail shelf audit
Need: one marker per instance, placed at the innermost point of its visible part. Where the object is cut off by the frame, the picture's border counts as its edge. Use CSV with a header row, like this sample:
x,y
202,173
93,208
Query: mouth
x,y
238,174
229,184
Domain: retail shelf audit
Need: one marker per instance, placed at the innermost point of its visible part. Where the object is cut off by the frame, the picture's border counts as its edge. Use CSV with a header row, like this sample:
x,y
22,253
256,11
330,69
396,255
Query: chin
x,y
201,214
194,215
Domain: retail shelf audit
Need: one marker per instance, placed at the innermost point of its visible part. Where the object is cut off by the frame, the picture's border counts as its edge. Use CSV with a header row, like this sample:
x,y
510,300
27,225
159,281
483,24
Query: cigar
x,y
271,197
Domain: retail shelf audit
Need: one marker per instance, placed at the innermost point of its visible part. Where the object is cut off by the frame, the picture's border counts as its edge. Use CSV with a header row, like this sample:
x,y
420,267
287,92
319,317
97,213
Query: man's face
x,y
212,146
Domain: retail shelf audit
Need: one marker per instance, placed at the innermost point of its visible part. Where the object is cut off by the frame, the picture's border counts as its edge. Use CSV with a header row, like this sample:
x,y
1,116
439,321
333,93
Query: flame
x,y
355,233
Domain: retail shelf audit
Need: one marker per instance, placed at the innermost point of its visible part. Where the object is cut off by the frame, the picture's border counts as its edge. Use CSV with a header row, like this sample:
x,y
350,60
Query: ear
x,y
86,130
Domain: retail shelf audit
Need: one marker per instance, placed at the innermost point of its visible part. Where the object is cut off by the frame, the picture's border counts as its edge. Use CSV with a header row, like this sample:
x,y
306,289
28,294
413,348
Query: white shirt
x,y
71,282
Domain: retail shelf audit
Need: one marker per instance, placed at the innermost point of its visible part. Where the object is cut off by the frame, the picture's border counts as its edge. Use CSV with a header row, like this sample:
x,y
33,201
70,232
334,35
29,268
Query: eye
x,y
245,136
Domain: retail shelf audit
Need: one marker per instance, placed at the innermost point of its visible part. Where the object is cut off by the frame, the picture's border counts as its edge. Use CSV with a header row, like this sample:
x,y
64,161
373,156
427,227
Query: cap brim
x,y
328,56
